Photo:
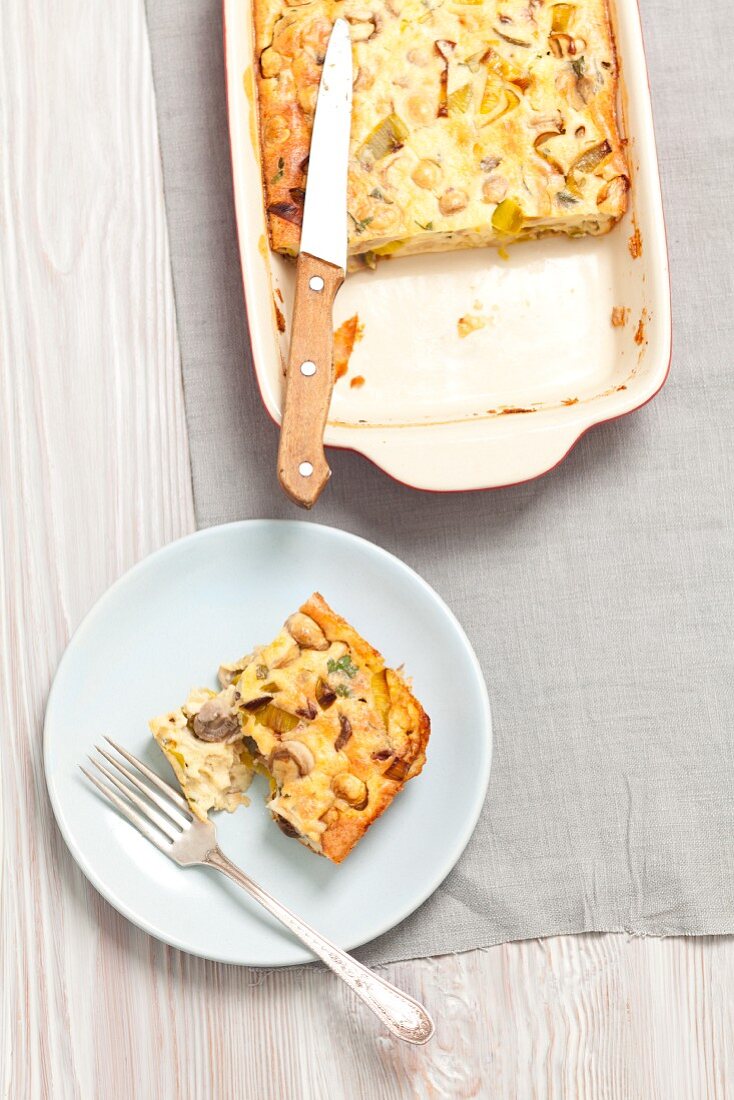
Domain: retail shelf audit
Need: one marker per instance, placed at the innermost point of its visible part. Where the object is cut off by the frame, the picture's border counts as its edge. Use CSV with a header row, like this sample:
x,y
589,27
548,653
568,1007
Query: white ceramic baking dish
x,y
508,401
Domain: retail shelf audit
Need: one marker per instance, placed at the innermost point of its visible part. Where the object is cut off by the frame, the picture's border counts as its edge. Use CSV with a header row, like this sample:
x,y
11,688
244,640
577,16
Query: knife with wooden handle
x,y
302,467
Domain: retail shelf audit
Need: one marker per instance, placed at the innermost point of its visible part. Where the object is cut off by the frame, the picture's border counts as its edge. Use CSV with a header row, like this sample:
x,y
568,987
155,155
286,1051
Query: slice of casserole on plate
x,y
474,121
337,732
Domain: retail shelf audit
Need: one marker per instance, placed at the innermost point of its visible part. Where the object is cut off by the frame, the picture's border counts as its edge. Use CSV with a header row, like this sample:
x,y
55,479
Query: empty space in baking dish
x,y
538,327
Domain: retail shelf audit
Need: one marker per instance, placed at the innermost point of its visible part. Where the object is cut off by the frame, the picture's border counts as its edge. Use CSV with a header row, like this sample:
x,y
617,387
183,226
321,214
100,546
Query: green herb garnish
x,y
360,226
565,198
343,690
279,174
579,66
261,671
427,227
345,664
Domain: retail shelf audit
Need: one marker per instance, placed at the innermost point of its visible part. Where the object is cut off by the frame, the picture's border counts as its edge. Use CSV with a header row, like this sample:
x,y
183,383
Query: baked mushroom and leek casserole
x,y
337,732
475,122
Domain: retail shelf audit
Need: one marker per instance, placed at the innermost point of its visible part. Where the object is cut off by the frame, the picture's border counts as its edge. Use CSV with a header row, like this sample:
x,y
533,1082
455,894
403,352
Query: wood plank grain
x,y
94,474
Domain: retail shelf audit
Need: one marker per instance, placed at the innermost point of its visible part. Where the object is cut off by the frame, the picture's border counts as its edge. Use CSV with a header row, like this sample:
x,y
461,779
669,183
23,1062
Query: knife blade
x,y
302,467
324,231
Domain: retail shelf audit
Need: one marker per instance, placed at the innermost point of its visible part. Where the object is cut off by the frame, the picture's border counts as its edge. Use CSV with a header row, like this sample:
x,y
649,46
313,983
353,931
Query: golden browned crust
x,y
473,123
406,732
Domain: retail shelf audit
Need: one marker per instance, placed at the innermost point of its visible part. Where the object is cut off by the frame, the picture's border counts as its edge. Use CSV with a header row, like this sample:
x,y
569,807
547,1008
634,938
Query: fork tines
x,y
161,817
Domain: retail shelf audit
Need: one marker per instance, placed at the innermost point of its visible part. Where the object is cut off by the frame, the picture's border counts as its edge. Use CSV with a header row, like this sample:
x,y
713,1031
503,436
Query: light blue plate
x,y
165,627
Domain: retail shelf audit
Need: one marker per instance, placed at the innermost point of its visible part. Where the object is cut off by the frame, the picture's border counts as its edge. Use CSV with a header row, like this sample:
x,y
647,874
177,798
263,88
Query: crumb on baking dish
x,y
357,382
348,334
635,242
470,322
620,316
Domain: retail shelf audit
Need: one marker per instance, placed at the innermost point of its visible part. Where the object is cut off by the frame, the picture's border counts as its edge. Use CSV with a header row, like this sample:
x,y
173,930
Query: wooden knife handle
x,y
302,467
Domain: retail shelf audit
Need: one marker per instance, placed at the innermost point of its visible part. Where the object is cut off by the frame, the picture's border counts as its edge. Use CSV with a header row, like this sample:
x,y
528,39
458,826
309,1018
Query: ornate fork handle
x,y
400,1013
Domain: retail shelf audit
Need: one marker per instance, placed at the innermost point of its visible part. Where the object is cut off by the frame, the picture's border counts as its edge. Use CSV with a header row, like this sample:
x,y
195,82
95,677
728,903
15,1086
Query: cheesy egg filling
x,y
474,122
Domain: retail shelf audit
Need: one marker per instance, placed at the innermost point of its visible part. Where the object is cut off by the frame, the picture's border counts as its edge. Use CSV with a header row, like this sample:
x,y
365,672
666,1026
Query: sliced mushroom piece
x,y
218,719
288,211
382,754
345,732
256,704
286,827
304,630
397,770
539,146
291,760
562,45
548,124
325,695
351,789
196,699
444,48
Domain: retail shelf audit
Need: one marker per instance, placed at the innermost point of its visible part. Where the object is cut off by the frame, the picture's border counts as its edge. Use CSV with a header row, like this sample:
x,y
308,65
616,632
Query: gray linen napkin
x,y
599,598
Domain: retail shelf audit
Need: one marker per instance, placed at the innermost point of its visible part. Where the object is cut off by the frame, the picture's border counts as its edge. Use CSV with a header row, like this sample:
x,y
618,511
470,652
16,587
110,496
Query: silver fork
x,y
163,816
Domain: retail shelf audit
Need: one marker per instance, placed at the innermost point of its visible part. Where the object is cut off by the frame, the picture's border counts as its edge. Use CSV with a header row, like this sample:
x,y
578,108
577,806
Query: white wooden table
x,y
93,475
